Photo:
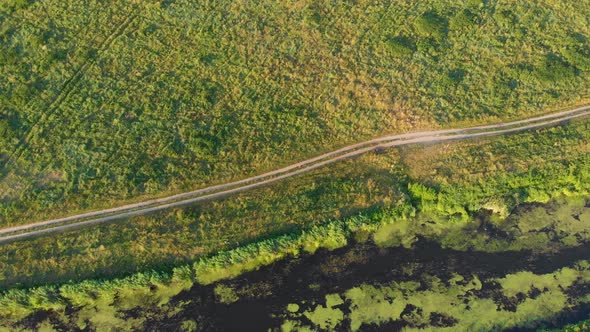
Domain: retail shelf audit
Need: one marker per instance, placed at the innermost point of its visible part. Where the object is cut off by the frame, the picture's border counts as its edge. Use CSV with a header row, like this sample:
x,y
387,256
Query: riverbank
x,y
518,265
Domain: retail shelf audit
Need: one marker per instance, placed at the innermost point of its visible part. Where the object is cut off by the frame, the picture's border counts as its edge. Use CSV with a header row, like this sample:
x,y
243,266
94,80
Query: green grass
x,y
457,179
107,102
101,302
103,103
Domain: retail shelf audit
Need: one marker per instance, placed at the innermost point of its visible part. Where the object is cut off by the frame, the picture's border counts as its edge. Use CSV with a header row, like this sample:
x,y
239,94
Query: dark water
x,y
263,295
288,281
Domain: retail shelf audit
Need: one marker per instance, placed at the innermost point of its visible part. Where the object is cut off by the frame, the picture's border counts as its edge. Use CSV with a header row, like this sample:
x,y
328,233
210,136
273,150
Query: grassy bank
x,y
544,229
454,180
464,213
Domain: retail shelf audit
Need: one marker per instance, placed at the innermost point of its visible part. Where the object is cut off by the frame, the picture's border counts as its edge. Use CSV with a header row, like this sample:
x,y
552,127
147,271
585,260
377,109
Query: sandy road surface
x,y
125,211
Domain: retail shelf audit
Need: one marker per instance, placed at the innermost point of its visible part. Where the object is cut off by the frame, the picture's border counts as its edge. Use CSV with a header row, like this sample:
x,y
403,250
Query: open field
x,y
126,104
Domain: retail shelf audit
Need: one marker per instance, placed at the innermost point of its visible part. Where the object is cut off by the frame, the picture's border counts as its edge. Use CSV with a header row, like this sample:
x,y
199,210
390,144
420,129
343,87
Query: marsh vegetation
x,y
431,283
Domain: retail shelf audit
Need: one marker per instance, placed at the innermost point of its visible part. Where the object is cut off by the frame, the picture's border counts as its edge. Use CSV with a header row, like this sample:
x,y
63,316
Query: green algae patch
x,y
370,305
452,303
293,307
225,294
188,325
326,317
523,282
294,326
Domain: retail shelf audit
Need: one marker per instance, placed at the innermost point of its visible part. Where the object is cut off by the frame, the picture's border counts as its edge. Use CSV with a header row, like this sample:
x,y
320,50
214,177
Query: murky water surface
x,y
321,291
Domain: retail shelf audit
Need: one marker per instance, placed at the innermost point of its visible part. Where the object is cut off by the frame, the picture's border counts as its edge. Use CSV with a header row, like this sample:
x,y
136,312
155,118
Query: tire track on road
x,y
216,191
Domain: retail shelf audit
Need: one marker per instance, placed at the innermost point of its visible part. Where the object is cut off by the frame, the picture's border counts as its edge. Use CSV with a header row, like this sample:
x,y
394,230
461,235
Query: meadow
x,y
105,103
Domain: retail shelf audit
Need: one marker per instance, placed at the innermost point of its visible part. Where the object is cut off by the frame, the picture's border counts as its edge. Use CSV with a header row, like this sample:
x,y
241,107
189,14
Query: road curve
x,y
130,210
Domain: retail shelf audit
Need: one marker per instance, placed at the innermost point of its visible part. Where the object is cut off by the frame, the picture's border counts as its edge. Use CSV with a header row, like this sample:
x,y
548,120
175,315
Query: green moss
x,y
225,294
522,282
456,299
294,326
370,305
293,307
325,318
188,326
395,234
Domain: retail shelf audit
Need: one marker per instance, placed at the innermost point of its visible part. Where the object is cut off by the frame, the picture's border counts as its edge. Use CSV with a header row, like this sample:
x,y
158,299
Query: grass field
x,y
103,103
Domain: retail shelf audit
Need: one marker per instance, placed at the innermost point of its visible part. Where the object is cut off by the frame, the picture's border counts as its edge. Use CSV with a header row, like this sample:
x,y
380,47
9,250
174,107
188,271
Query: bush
x,y
463,19
577,52
552,69
431,24
400,46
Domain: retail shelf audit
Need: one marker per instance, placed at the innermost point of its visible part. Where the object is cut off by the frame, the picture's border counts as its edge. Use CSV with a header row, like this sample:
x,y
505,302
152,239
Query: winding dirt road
x,y
130,210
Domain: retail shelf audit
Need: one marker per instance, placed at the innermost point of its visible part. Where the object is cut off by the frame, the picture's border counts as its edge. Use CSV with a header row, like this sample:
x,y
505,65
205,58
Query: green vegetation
x,y
562,224
370,306
188,326
233,263
524,282
446,305
431,24
460,179
107,102
401,46
327,317
106,303
135,101
97,303
578,327
225,294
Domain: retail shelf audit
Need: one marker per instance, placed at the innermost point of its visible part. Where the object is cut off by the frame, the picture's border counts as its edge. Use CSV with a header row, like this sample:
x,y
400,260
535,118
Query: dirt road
x,y
130,210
